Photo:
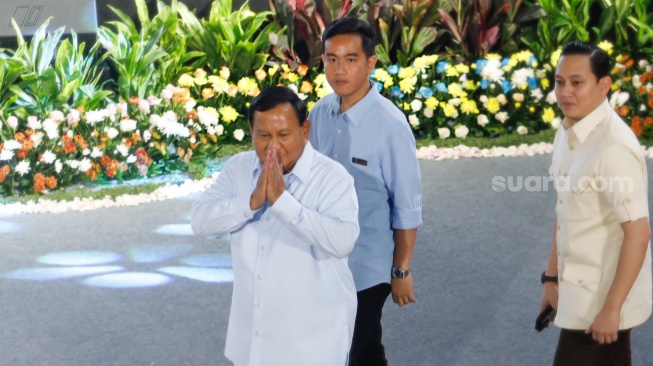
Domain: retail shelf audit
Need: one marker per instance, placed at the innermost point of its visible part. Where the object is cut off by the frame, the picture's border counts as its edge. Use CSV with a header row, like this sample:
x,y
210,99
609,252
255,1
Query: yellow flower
x,y
545,83
229,114
451,71
212,111
207,93
285,68
470,85
606,46
456,90
219,84
492,105
225,73
448,109
186,81
493,56
232,90
469,107
462,68
246,85
517,105
555,56
310,105
548,115
406,72
406,106
424,62
407,85
292,77
523,56
531,109
319,80
273,70
431,103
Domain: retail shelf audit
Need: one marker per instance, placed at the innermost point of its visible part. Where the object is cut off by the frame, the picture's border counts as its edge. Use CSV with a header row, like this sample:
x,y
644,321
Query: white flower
x,y
555,123
454,101
86,152
502,99
12,122
85,165
416,105
58,166
444,133
70,133
520,77
637,82
96,153
413,120
522,130
492,71
428,112
293,87
33,123
170,115
93,117
144,106
518,97
239,134
482,120
6,155
190,105
154,101
537,94
112,133
37,138
502,116
642,108
483,99
73,117
207,118
23,167
147,135
551,98
127,125
57,115
461,132
48,157
166,94
219,130
131,159
12,145
122,149
619,99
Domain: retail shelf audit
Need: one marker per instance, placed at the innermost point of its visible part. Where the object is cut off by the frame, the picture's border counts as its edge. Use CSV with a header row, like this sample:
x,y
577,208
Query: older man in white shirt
x,y
599,272
293,218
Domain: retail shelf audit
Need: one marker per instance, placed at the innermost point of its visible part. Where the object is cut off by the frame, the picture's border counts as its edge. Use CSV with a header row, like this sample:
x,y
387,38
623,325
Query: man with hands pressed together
x,y
598,277
292,216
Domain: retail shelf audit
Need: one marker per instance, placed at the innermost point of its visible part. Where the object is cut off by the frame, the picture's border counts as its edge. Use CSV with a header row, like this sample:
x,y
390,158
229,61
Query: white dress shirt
x,y
294,300
601,179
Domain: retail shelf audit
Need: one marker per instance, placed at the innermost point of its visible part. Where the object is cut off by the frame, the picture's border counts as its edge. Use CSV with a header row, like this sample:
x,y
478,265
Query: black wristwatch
x,y
399,273
546,278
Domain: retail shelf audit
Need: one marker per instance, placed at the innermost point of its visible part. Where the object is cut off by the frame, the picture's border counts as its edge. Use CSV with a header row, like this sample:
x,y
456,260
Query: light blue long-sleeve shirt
x,y
374,142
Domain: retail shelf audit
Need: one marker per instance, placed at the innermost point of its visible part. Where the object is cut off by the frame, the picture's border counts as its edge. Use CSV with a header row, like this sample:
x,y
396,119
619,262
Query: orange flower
x,y
650,103
39,182
136,138
51,182
21,154
133,100
81,142
623,111
208,93
105,160
20,137
200,73
4,171
92,174
69,148
112,168
192,115
636,126
648,121
306,88
302,70
260,74
127,142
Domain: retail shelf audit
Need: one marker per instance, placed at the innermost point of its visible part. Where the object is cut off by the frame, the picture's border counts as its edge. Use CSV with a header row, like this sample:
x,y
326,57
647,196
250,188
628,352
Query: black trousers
x,y
366,347
575,348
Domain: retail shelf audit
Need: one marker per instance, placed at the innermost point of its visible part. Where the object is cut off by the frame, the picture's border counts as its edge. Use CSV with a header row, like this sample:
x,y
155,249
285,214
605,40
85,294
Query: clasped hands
x,y
270,185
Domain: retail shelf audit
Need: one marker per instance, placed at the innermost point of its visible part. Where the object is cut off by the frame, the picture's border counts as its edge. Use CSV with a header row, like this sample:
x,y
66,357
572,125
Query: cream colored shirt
x,y
600,176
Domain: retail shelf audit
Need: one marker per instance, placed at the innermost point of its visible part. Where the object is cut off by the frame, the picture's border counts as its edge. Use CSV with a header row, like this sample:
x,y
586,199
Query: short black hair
x,y
599,59
274,96
351,25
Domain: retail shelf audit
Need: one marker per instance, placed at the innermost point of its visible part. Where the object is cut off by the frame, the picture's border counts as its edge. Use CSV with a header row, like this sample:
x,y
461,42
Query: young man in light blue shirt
x,y
372,139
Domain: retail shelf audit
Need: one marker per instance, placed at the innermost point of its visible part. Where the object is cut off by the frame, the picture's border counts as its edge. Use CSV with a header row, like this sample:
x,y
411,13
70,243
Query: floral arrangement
x,y
183,126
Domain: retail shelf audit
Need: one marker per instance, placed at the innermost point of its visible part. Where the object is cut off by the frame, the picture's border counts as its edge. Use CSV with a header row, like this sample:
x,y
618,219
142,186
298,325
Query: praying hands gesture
x,y
270,185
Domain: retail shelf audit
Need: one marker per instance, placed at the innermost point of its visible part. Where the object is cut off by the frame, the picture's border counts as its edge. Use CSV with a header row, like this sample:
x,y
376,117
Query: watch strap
x,y
544,278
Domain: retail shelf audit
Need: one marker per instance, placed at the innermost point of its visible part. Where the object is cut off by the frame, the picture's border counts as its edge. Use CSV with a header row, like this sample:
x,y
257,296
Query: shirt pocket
x,y
582,198
579,289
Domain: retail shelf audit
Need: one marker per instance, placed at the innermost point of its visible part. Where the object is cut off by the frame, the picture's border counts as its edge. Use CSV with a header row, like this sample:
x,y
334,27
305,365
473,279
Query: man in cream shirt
x,y
292,214
598,277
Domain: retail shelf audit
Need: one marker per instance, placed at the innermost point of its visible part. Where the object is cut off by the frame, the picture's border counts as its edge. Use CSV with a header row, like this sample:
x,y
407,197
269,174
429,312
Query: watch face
x,y
398,273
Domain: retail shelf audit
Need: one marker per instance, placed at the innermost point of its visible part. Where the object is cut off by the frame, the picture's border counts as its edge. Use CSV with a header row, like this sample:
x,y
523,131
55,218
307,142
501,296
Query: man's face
x,y
279,129
576,88
346,66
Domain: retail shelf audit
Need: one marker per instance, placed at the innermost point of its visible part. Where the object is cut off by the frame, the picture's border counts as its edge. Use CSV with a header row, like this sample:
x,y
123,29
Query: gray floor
x,y
476,269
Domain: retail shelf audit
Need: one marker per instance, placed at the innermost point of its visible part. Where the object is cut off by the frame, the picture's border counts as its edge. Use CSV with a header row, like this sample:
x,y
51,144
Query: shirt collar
x,y
301,170
585,126
359,110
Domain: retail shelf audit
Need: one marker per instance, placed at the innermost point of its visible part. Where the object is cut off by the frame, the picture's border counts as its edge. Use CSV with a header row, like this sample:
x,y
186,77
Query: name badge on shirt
x,y
359,161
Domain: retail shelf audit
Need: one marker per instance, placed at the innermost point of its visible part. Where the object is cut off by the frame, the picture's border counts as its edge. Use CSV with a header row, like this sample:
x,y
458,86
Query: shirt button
x,y
258,304
259,277
558,229
564,175
571,147
580,282
339,132
560,201
574,189
257,333
627,200
335,156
